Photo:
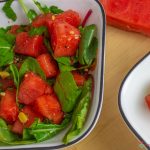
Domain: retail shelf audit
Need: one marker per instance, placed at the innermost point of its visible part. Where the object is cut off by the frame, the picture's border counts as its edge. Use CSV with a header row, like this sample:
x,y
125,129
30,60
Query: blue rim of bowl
x,y
100,92
120,106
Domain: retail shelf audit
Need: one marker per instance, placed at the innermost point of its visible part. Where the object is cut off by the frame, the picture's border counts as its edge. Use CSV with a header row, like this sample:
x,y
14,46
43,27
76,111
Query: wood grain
x,y
123,50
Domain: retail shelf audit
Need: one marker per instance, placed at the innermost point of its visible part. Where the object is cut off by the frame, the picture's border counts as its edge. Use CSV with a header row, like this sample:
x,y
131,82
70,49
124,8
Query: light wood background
x,y
123,50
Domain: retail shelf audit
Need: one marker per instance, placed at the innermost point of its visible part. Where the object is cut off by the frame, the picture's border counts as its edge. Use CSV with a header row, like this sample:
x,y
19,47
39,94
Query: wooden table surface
x,y
123,50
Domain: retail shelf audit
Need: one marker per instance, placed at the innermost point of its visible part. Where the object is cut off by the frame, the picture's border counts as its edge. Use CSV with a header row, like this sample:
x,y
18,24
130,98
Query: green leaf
x,y
45,9
65,68
27,135
21,142
15,74
5,50
64,60
10,38
31,64
37,30
31,14
85,45
64,64
67,91
80,112
42,131
6,43
55,10
9,11
5,134
7,137
48,46
81,29
91,52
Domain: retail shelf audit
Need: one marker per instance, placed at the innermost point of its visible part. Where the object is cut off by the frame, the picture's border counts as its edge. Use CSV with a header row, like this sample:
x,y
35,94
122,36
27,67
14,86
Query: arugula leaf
x,y
5,134
86,44
64,60
91,53
55,10
48,46
65,68
15,74
9,11
80,112
64,64
31,64
37,30
10,38
31,14
45,9
6,43
21,142
67,91
27,135
5,50
81,29
42,131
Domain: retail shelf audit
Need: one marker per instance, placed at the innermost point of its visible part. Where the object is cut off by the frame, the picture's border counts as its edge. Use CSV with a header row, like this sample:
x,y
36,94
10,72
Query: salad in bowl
x,y
46,83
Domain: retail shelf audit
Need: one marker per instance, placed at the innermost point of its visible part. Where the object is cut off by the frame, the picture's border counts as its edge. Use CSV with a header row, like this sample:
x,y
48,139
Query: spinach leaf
x,y
67,91
88,44
43,131
5,134
37,31
80,112
9,11
31,14
31,64
45,9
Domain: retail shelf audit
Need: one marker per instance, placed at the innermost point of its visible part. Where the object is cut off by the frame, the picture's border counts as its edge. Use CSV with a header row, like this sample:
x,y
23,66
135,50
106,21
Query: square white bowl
x,y
98,18
132,105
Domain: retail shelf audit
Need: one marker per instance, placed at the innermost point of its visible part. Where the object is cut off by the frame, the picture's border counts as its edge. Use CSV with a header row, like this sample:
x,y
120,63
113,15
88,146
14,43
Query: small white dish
x,y
133,108
98,18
